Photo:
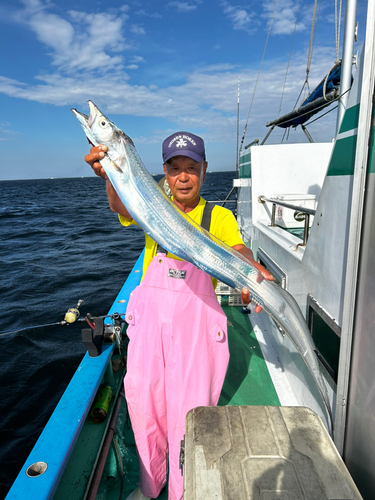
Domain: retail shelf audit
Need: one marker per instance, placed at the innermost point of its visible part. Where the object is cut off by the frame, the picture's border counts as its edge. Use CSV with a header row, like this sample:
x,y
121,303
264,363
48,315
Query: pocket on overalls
x,y
132,319
218,334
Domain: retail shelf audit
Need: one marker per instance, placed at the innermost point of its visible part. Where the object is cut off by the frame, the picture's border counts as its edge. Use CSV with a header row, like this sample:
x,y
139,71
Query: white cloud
x,y
240,18
284,17
154,15
137,59
52,30
5,131
82,41
137,29
207,98
182,6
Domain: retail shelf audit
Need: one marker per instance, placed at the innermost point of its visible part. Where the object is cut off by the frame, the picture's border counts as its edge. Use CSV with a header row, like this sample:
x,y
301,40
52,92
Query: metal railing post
x,y
306,229
306,211
273,214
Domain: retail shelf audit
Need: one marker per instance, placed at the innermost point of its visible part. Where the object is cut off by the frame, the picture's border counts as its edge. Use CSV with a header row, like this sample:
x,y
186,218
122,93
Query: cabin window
x,y
326,335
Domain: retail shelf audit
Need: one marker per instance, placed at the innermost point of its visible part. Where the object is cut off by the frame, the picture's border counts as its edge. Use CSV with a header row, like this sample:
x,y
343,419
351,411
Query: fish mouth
x,y
87,121
81,117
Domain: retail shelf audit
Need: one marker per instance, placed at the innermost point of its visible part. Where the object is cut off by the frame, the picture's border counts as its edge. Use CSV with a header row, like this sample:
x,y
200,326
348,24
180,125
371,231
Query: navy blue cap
x,y
184,144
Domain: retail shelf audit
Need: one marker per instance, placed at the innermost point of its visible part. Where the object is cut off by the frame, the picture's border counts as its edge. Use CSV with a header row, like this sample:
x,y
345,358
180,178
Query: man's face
x,y
185,177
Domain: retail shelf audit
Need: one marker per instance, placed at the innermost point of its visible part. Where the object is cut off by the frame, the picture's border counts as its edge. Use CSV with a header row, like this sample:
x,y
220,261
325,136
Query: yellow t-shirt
x,y
223,225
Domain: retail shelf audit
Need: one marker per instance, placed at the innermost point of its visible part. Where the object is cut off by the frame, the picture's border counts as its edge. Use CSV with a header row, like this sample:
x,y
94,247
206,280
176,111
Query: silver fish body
x,y
160,218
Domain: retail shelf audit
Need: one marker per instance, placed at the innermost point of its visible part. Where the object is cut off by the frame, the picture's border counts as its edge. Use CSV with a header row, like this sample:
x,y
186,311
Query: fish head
x,y
100,130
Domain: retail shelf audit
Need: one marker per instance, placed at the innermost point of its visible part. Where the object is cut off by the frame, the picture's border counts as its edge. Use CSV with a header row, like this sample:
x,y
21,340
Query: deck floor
x,y
248,381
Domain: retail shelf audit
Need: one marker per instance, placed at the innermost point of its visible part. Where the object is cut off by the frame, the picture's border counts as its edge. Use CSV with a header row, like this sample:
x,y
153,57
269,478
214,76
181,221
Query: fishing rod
x,y
71,316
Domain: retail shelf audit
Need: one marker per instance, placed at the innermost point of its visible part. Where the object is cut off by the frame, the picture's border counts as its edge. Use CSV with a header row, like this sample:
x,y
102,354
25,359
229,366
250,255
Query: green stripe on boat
x,y
371,162
350,120
342,161
245,158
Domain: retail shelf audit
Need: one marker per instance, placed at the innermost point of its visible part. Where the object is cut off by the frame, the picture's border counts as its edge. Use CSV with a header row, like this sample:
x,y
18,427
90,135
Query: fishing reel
x,y
100,333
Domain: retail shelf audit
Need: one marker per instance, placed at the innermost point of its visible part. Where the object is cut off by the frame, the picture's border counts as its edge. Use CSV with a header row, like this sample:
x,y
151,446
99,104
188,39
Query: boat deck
x,y
248,381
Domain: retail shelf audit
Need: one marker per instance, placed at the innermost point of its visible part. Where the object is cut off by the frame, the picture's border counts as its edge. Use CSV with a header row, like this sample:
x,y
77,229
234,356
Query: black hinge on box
x,y
182,456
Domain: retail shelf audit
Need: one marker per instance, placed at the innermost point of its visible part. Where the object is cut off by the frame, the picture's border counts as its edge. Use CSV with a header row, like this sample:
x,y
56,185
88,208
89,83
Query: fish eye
x,y
103,123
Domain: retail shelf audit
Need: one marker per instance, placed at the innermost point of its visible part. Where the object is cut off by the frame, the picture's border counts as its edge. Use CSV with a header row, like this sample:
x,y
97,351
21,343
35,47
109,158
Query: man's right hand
x,y
115,204
96,154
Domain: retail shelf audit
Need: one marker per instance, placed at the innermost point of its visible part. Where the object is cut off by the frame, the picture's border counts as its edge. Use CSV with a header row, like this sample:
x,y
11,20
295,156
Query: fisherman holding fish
x,y
178,350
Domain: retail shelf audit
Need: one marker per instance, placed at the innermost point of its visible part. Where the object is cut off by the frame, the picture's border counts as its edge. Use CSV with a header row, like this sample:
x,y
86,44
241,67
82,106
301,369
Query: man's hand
x,y
115,204
96,154
245,297
265,274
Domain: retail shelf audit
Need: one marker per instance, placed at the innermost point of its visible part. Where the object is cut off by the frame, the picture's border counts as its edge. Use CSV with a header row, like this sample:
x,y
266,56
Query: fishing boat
x,y
306,210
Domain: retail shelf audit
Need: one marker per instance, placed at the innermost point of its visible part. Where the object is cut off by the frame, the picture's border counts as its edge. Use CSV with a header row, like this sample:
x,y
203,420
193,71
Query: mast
x,y
238,125
347,59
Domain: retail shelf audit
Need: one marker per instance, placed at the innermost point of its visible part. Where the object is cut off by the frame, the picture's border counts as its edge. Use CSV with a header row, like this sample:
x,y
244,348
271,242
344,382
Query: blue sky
x,y
153,67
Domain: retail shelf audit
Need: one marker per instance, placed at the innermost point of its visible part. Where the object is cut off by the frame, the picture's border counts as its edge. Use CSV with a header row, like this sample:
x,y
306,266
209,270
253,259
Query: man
x,y
178,350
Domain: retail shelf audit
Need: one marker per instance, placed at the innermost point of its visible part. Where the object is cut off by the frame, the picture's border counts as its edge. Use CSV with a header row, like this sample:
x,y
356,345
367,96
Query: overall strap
x,y
206,217
205,222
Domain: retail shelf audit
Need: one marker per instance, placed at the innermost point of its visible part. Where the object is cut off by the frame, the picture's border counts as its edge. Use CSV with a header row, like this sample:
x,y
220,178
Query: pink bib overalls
x,y
177,360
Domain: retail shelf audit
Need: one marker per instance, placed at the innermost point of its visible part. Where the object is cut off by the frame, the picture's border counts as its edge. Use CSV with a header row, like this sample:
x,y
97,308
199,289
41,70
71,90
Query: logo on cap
x,y
180,143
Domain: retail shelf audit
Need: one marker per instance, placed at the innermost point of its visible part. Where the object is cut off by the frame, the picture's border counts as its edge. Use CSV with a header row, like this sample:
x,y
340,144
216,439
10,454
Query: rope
x,y
326,79
256,83
290,54
311,46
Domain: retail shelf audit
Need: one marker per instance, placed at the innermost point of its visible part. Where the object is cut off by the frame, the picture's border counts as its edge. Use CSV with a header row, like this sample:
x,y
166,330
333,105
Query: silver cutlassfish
x,y
175,231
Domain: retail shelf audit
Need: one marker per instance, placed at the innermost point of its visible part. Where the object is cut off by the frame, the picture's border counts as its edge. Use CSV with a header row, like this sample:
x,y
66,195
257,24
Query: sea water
x,y
59,243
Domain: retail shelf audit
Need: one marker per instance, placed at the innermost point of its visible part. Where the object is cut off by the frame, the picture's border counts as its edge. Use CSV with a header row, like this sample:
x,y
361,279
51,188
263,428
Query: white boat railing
x,y
302,213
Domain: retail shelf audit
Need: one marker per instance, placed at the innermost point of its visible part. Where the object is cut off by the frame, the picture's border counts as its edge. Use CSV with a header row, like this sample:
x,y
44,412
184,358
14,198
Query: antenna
x,y
238,125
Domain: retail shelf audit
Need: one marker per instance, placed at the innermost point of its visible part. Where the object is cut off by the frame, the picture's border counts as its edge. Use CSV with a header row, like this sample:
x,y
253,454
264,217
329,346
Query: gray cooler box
x,y
262,453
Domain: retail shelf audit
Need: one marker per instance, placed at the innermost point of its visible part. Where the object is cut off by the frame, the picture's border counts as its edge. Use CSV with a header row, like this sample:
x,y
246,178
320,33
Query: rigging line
x,y
337,28
290,54
306,82
311,46
321,116
282,140
315,29
309,57
256,83
303,86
